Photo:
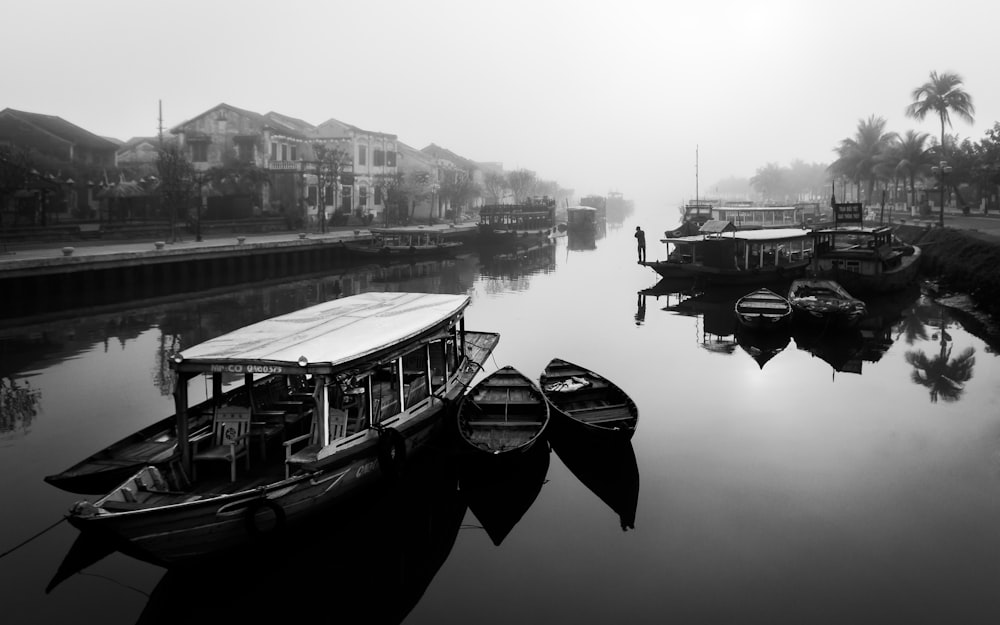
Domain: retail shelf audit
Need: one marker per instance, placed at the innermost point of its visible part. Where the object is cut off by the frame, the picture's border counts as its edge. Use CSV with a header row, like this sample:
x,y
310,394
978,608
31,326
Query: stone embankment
x,y
960,260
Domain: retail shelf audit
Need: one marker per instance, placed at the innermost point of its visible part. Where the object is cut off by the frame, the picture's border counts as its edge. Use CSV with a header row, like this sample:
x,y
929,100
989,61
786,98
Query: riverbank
x,y
961,261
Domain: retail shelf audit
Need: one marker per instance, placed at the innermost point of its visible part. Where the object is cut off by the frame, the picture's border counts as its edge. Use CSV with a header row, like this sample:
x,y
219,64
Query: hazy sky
x,y
599,96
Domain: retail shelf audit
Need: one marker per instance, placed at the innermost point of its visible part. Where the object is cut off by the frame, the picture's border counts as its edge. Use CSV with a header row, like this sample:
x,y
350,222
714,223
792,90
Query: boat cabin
x,y
405,238
861,250
535,214
726,248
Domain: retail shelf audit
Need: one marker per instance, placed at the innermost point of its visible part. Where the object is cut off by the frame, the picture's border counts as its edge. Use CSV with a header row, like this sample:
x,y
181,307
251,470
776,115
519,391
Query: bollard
x,y
302,235
240,240
159,244
67,251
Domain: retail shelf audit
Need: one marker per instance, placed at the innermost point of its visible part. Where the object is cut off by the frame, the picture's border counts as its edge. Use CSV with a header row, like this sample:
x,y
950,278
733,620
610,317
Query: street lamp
x,y
941,171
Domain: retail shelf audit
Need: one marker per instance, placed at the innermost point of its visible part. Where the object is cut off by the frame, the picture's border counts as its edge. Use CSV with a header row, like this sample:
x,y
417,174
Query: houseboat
x,y
508,225
406,241
329,400
864,259
722,254
581,219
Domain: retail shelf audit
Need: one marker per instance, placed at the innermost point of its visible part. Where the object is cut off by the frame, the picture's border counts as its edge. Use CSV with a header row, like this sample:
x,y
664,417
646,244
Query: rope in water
x,y
25,542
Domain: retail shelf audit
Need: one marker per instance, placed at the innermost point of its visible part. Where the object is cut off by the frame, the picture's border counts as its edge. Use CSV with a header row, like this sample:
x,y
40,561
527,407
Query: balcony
x,y
283,165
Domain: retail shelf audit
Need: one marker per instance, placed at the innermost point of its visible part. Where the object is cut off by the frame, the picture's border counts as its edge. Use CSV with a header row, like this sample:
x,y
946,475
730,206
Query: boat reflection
x,y
762,346
537,255
713,309
605,465
378,556
499,491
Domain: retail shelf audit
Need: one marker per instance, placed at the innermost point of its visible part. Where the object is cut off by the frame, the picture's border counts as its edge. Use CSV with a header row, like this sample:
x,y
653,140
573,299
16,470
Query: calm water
x,y
846,481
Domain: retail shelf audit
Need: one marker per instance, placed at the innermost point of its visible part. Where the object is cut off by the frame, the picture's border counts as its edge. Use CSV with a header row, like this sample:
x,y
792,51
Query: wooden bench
x,y
505,423
601,414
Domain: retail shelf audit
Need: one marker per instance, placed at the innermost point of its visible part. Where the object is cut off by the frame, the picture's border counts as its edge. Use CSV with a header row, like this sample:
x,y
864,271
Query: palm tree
x,y
943,375
944,95
859,157
912,157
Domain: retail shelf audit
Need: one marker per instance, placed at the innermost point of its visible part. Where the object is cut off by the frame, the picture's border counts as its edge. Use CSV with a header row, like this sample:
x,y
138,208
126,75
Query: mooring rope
x,y
25,542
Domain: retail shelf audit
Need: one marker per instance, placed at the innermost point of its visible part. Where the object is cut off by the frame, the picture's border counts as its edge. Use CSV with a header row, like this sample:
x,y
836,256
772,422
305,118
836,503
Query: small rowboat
x,y
504,413
586,401
763,309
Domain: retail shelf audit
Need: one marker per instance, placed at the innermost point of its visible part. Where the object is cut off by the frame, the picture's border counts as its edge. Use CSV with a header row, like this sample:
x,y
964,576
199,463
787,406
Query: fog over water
x,y
596,96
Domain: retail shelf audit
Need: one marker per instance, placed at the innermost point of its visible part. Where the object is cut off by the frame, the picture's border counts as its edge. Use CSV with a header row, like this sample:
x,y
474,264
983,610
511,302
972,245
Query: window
x,y
378,196
390,158
378,158
415,376
362,197
362,154
274,151
293,153
245,149
199,152
284,152
385,390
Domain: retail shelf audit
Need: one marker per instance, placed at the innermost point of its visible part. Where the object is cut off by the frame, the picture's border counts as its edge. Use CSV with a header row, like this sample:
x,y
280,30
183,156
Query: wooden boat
x,y
504,413
605,465
385,368
587,400
516,225
825,302
406,241
722,254
581,219
156,444
500,493
763,309
864,259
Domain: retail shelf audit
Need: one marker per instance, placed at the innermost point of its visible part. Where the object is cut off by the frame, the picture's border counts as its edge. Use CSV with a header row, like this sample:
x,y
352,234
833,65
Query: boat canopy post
x,y
216,387
399,383
324,409
181,414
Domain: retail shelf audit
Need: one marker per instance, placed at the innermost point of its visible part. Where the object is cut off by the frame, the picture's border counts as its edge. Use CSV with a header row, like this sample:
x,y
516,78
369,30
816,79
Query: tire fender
x,y
391,452
258,527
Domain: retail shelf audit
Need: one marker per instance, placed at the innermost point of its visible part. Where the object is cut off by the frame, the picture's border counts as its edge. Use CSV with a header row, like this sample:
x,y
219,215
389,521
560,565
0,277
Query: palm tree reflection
x,y
943,375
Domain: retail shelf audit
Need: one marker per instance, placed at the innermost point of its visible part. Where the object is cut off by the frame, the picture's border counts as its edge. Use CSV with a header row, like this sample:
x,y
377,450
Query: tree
x,y
860,156
521,183
911,158
769,181
177,183
942,94
330,163
391,187
495,186
458,188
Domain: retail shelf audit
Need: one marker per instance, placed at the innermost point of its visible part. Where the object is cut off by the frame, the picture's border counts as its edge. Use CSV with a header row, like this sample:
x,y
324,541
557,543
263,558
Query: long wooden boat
x,y
763,310
499,494
516,225
384,367
406,241
727,255
864,259
825,302
156,444
504,413
588,401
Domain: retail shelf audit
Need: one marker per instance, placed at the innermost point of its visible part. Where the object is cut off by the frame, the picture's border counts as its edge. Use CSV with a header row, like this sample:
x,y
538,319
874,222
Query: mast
x,y
696,174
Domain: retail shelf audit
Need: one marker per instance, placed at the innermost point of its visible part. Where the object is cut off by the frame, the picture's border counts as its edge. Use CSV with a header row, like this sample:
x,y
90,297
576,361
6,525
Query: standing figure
x,y
640,240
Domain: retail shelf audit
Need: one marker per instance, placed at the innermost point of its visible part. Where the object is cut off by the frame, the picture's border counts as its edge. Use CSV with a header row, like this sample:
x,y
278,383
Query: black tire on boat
x,y
254,527
391,452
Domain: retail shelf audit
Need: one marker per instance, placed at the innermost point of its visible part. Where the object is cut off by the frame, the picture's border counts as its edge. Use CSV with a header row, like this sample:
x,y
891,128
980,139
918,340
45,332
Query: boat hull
x,y
504,414
764,311
596,407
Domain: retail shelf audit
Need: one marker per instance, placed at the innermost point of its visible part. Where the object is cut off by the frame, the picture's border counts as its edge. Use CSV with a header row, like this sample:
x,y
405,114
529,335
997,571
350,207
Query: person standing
x,y
640,240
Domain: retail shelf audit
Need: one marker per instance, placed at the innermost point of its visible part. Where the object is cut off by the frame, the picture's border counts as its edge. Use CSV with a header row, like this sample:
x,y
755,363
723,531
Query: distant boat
x,y
864,259
505,413
407,241
581,218
825,302
764,310
587,401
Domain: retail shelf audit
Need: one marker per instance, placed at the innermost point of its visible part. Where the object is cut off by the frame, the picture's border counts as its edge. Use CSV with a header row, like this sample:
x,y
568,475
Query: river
x,y
808,480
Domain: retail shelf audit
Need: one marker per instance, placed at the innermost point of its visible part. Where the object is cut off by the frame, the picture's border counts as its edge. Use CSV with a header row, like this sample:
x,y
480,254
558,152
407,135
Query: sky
x,y
597,96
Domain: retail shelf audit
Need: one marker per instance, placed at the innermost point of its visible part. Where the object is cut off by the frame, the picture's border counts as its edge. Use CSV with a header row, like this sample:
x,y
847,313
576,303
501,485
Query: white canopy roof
x,y
331,333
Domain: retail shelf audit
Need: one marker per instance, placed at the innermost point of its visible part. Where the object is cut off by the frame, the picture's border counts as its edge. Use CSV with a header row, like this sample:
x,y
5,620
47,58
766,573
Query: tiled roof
x,y
62,129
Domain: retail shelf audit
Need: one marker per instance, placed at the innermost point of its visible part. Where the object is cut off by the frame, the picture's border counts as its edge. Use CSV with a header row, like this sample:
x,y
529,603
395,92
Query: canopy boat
x,y
382,369
406,241
722,254
516,225
500,494
582,219
825,302
763,309
503,414
864,259
586,401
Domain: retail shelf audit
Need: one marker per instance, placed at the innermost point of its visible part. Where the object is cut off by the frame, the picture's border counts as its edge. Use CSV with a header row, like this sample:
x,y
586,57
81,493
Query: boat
x,y
864,259
405,241
825,302
763,309
156,444
581,219
722,255
505,413
516,225
384,369
605,465
587,401
500,493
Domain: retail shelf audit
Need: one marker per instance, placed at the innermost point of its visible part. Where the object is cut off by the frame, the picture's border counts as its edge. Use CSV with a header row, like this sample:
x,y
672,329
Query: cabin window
x,y
439,366
415,376
356,404
385,391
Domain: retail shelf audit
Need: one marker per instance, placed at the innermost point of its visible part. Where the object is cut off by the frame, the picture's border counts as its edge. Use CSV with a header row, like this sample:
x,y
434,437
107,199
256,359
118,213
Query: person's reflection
x,y
640,309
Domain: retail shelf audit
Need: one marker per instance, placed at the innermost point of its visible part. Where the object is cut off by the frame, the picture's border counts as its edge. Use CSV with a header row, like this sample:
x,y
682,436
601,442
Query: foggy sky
x,y
597,96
